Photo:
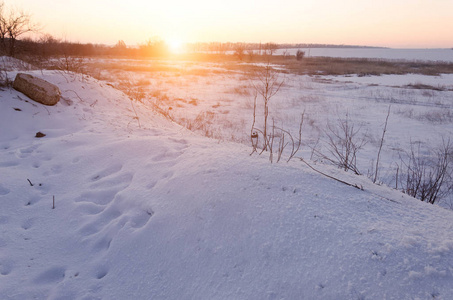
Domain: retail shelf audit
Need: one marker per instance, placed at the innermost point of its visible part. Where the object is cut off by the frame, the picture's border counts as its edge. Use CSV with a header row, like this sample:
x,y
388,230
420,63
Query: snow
x,y
220,105
444,81
159,212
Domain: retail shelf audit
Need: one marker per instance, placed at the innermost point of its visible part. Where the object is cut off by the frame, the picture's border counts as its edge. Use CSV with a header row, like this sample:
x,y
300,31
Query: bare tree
x,y
250,53
3,28
13,24
266,83
239,50
270,48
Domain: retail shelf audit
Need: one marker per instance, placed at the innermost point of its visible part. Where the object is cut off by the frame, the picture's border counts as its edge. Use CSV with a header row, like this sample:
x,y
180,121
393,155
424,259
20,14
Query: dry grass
x,y
421,86
241,90
434,116
364,67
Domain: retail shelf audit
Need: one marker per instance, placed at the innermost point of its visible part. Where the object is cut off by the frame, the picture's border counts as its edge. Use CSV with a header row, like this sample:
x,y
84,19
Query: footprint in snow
x,y
90,208
51,275
6,267
4,190
101,272
7,164
26,152
103,244
140,219
101,221
27,224
54,170
119,180
99,197
106,172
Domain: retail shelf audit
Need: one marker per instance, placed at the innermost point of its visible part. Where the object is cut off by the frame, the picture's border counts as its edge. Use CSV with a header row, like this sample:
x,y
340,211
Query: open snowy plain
x,y
147,209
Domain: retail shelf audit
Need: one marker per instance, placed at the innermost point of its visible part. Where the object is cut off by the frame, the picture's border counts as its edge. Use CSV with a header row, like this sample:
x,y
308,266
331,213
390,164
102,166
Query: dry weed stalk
x,y
380,146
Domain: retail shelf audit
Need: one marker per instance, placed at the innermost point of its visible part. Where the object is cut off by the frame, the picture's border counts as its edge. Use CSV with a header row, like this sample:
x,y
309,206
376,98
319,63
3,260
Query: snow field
x,y
220,105
161,213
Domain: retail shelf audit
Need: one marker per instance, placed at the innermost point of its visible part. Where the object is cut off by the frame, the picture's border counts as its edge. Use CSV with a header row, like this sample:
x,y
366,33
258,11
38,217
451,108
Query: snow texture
x,y
159,212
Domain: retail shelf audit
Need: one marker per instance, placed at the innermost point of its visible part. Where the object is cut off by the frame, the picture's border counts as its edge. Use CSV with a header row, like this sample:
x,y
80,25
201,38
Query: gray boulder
x,y
37,89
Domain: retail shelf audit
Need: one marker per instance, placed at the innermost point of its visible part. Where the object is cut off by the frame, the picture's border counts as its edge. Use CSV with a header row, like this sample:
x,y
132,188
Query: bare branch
x,y
380,146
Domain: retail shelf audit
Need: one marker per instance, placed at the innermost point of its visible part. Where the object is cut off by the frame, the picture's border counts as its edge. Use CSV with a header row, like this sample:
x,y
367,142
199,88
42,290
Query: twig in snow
x,y
331,177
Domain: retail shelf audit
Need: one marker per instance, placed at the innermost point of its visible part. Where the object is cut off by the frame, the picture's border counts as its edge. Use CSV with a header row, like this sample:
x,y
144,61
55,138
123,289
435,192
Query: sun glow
x,y
387,23
175,45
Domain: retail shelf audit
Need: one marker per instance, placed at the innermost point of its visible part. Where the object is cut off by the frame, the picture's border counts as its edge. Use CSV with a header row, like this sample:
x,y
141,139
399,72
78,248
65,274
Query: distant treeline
x,y
47,46
224,47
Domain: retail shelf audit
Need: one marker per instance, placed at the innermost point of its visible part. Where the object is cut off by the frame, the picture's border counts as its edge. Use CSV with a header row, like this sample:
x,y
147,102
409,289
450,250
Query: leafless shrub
x,y
300,55
69,64
241,90
135,93
159,95
428,177
202,122
343,144
5,82
267,83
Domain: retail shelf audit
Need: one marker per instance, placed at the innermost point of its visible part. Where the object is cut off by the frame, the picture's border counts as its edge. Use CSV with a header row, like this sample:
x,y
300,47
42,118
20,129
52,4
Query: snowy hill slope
x,y
160,213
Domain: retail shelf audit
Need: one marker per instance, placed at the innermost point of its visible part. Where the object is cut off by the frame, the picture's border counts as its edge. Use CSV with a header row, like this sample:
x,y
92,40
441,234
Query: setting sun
x,y
175,45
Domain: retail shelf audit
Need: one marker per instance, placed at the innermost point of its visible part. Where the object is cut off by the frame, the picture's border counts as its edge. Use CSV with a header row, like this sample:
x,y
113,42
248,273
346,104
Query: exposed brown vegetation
x,y
364,67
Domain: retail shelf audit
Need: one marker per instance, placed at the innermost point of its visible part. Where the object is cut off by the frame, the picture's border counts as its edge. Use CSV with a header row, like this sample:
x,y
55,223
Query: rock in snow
x,y
37,89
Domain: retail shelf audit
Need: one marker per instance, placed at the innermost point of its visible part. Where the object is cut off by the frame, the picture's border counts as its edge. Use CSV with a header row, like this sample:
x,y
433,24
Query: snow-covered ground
x,y
160,212
219,104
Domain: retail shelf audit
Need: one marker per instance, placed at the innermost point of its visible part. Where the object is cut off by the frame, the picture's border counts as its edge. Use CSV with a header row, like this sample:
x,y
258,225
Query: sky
x,y
388,23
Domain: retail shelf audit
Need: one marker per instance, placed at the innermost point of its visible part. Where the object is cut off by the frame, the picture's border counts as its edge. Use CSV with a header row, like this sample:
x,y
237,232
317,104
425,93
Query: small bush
x,y
300,55
343,144
428,177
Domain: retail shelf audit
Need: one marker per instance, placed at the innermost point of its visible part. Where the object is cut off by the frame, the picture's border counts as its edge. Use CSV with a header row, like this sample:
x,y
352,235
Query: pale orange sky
x,y
391,23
